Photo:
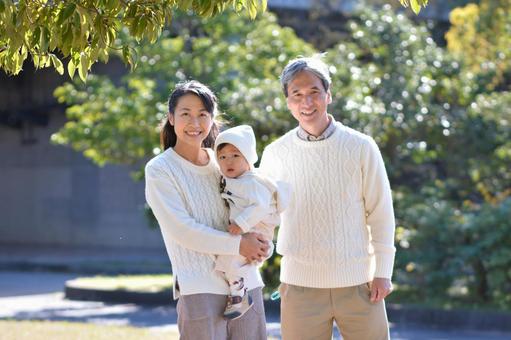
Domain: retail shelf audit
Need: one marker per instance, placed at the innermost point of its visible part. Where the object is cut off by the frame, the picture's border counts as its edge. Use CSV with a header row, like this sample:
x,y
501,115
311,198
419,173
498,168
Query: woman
x,y
182,190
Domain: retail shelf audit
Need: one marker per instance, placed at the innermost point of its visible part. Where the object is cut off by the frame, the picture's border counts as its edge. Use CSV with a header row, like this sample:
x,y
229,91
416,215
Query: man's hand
x,y
253,246
234,229
380,288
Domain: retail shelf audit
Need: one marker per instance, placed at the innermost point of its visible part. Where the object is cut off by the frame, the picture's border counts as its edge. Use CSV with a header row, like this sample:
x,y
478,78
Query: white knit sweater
x,y
186,201
338,230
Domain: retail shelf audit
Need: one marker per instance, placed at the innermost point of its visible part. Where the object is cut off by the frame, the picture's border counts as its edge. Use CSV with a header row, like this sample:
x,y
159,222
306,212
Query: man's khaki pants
x,y
308,313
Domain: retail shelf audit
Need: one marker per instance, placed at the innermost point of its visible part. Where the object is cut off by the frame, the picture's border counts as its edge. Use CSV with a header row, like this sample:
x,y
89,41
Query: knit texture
x,y
186,201
338,230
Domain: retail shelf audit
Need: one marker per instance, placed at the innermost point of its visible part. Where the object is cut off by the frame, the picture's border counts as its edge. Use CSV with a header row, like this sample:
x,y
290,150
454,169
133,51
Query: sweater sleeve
x,y
265,166
260,199
378,207
176,223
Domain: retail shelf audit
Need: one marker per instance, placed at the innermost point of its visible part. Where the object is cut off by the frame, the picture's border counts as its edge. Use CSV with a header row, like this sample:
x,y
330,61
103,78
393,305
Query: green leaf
x,y
35,35
43,40
57,64
2,6
66,13
103,55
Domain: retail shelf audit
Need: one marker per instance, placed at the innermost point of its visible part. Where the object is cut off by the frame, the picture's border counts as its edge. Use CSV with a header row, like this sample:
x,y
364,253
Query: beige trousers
x,y
200,317
309,313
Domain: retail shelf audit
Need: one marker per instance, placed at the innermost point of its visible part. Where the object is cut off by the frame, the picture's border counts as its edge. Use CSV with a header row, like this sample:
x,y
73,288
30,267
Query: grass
x,y
134,283
34,330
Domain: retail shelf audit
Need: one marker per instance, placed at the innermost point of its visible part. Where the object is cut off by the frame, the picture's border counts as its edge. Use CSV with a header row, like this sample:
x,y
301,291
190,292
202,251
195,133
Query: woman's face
x,y
191,121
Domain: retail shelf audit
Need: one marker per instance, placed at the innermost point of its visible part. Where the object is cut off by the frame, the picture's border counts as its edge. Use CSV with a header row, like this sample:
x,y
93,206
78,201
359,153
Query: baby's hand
x,y
234,229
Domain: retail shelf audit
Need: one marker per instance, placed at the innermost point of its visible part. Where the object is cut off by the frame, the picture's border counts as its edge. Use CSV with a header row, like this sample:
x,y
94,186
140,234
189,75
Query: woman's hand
x,y
253,246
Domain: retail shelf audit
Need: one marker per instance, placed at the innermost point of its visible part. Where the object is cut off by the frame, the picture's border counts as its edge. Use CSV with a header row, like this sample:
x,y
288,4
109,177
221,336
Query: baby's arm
x,y
260,198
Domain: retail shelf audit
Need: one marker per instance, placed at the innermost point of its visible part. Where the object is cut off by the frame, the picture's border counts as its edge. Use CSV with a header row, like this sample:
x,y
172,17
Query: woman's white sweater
x,y
338,229
186,201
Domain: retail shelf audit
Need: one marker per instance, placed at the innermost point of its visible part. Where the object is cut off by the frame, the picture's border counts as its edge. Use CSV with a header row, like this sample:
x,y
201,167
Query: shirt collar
x,y
330,129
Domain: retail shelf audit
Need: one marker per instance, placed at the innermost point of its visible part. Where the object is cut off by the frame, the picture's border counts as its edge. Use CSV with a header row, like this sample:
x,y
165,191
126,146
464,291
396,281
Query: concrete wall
x,y
51,195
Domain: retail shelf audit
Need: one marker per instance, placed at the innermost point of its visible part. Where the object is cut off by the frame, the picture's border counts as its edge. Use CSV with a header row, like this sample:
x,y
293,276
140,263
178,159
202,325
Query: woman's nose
x,y
193,121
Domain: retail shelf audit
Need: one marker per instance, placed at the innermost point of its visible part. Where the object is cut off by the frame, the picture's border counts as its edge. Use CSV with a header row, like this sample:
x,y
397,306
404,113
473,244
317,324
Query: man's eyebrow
x,y
314,87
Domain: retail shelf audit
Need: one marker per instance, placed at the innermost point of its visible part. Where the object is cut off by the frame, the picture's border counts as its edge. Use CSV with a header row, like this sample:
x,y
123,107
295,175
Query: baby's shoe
x,y
237,306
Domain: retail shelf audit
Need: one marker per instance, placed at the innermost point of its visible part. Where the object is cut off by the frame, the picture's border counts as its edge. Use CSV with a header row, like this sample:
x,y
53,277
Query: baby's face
x,y
231,161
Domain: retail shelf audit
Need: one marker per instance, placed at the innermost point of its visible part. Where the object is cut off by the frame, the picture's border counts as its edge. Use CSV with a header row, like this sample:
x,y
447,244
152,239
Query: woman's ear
x,y
170,117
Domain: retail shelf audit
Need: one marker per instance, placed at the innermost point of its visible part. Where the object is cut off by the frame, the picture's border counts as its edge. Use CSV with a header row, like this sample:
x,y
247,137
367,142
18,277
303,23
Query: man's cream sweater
x,y
338,229
186,201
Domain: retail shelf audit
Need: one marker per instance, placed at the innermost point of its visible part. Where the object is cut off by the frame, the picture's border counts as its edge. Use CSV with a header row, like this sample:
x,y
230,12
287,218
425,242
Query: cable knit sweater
x,y
338,230
192,216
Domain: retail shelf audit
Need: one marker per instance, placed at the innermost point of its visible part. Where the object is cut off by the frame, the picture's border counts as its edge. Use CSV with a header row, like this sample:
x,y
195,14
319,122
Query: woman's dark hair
x,y
168,136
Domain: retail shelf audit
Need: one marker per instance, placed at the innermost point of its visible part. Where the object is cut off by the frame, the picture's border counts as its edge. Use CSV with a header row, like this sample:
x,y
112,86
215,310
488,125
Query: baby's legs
x,y
233,267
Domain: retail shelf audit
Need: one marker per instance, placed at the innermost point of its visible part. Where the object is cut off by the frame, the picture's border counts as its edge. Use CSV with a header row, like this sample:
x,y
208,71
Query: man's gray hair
x,y
312,64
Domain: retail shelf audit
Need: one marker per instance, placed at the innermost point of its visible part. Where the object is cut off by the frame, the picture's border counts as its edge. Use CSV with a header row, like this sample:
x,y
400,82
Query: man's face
x,y
308,101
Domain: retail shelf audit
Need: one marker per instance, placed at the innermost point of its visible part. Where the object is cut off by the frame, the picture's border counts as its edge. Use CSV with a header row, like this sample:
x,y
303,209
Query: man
x,y
336,237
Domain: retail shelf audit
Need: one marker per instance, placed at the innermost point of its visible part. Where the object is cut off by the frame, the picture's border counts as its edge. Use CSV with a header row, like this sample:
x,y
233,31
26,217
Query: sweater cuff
x,y
242,223
384,265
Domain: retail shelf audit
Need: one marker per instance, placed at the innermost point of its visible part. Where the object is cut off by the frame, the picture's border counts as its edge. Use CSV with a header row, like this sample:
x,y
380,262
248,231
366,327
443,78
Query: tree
x,y
85,31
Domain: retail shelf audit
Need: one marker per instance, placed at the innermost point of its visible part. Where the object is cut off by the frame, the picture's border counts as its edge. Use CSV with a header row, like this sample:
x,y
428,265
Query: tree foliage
x,y
238,57
85,31
445,138
481,36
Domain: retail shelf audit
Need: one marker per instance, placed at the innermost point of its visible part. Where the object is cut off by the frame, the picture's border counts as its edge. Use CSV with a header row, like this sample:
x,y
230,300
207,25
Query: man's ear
x,y
329,96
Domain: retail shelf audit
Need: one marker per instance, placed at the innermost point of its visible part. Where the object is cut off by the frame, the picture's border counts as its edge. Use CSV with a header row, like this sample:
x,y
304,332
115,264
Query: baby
x,y
255,203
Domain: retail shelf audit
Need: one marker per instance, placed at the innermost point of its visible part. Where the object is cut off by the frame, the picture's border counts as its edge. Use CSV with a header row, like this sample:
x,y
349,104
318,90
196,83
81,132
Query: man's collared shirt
x,y
330,129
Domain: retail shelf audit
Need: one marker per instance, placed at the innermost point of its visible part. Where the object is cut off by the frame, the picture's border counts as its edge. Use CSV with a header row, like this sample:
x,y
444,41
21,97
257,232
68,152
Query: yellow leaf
x,y
71,68
83,67
416,7
57,64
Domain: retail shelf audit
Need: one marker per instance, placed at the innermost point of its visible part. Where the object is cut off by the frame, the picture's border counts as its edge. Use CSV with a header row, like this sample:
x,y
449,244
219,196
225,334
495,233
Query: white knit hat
x,y
243,138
